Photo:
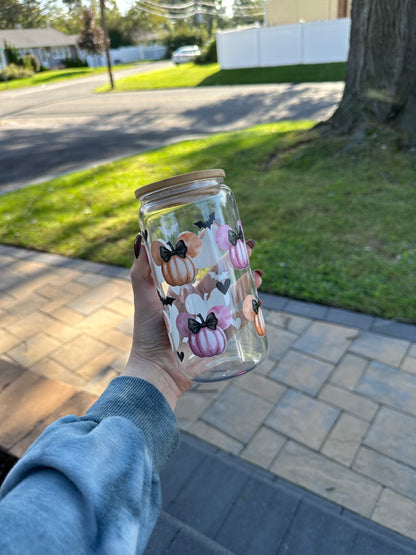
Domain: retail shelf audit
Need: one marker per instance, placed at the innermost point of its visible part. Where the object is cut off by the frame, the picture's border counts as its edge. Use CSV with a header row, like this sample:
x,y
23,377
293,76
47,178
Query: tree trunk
x,y
380,85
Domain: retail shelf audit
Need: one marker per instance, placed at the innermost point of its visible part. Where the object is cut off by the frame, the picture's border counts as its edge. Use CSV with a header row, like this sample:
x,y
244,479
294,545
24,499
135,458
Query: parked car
x,y
185,54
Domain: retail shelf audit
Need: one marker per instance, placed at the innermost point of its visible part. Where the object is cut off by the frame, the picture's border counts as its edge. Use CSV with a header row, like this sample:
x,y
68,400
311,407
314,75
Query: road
x,y
46,131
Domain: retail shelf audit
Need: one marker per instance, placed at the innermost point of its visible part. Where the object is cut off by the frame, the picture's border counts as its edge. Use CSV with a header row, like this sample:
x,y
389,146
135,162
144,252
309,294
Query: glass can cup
x,y
197,252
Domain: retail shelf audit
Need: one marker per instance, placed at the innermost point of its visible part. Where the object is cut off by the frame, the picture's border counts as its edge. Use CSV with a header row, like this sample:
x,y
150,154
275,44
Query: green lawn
x,y
54,76
332,225
194,75
184,75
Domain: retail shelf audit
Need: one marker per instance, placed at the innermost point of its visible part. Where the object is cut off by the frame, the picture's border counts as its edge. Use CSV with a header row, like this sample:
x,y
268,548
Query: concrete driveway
x,y
49,130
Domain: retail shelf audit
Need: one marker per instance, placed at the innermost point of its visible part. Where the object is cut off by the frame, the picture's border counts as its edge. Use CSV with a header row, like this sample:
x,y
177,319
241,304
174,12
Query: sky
x,y
123,5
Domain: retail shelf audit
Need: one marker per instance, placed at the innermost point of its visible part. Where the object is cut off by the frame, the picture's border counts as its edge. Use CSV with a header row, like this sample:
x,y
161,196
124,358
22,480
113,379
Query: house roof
x,y
35,38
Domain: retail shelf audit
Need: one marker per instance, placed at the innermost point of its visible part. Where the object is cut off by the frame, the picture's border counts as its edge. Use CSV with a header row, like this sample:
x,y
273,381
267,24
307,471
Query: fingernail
x,y
251,243
260,272
137,243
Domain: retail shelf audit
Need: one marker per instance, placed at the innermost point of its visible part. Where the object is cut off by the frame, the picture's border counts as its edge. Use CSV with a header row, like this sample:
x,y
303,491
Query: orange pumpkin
x,y
259,323
179,271
176,261
252,311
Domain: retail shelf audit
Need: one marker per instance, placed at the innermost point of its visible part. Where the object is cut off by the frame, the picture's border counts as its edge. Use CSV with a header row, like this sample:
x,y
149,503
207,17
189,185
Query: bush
x,y
174,41
13,71
30,61
208,54
12,54
75,62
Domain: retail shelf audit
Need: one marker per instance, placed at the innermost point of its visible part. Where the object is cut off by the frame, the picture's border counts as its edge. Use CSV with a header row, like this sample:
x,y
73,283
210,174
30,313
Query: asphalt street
x,y
53,129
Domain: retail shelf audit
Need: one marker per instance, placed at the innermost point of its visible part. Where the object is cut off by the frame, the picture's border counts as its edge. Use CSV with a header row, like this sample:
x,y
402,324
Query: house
x,y
285,12
50,46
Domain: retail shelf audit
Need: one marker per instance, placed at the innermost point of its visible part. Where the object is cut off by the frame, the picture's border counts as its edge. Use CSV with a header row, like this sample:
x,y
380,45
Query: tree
x,y
26,13
142,21
65,17
247,12
91,38
380,85
116,26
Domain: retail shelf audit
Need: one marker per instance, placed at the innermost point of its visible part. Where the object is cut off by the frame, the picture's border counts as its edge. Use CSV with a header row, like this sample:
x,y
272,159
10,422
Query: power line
x,y
246,8
171,6
179,6
191,13
198,8
168,16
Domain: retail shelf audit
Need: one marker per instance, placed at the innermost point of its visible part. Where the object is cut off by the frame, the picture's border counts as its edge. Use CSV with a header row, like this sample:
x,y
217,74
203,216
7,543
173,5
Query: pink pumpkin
x,y
205,335
234,242
208,343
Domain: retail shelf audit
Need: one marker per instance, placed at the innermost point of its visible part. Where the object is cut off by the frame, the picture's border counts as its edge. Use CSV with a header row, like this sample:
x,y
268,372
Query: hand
x,y
151,357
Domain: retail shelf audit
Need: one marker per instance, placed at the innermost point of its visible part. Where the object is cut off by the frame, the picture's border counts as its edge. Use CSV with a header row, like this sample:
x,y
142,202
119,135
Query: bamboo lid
x,y
178,180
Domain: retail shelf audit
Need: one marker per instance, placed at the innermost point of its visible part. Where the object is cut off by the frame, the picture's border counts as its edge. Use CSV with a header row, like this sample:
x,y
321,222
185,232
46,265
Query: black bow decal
x,y
179,250
256,305
211,322
234,236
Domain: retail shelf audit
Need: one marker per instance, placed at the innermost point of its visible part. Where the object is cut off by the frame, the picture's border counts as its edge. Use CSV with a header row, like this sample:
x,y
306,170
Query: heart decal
x,y
181,355
223,287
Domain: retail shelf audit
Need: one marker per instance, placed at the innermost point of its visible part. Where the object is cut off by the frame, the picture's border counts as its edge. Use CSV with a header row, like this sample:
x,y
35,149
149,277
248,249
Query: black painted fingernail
x,y
259,272
251,243
137,243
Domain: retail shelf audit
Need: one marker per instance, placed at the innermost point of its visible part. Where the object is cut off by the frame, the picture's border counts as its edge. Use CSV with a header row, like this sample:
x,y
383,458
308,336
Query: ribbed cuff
x,y
144,405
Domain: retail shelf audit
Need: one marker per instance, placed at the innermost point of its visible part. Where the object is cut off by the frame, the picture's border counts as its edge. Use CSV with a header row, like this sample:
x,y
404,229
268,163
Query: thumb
x,y
140,273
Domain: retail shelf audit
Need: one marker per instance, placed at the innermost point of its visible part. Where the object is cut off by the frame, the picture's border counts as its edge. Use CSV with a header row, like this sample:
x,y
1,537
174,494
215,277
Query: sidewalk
x,y
333,410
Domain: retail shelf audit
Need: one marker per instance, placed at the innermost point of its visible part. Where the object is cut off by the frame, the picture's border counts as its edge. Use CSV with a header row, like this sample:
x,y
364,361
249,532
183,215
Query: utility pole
x,y
106,43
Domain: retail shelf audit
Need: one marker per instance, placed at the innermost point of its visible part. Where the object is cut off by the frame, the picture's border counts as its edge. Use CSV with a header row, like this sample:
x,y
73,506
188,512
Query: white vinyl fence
x,y
3,62
301,43
128,54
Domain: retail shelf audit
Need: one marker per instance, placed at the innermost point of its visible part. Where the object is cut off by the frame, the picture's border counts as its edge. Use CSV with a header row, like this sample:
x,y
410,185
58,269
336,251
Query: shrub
x,y
208,54
75,62
174,41
14,71
30,61
12,54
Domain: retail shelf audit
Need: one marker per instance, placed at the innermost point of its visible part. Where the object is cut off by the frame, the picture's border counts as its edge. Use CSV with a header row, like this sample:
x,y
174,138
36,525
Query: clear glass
x,y
196,247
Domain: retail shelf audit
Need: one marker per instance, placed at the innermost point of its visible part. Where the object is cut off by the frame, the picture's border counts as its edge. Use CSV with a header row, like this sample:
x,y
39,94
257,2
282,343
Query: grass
x,y
194,75
334,224
189,75
184,75
55,76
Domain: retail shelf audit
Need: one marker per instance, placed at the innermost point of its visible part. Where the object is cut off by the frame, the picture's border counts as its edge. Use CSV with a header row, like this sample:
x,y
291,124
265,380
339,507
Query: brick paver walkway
x,y
333,410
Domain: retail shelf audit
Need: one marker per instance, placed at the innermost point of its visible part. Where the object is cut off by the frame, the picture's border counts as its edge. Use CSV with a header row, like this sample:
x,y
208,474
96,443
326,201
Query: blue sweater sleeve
x,y
91,484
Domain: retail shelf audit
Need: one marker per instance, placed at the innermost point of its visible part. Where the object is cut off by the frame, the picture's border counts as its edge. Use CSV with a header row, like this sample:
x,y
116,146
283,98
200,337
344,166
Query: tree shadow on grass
x,y
43,79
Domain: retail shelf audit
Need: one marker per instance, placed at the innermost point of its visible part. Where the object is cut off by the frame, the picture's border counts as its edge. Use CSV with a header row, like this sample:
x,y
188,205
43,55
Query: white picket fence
x,y
128,54
301,43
